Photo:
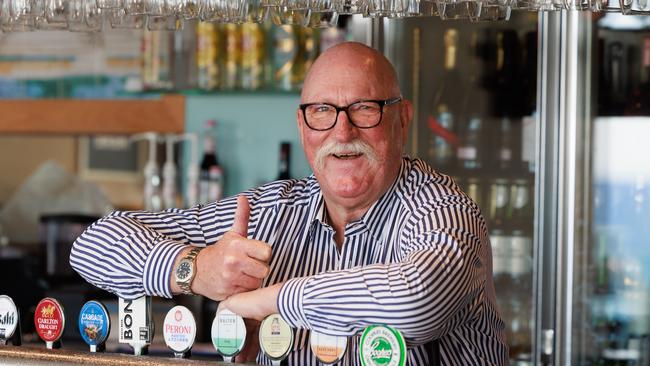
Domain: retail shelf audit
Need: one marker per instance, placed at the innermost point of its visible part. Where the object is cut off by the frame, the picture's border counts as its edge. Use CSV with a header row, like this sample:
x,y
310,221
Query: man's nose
x,y
344,130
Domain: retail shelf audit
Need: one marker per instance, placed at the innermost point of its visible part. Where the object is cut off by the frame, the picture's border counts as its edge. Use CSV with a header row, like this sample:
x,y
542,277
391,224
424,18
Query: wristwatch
x,y
186,271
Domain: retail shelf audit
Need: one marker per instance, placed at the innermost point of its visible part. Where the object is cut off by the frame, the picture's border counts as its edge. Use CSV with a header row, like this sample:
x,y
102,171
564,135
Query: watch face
x,y
184,271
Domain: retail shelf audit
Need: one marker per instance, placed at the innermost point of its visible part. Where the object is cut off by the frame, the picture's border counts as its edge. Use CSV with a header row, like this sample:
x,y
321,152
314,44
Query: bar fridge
x,y
473,86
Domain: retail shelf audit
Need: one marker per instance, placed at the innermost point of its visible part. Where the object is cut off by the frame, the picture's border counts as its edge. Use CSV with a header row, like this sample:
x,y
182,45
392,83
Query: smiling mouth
x,y
346,156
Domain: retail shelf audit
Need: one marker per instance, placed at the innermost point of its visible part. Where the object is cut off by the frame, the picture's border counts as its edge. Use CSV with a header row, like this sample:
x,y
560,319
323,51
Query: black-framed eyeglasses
x,y
362,113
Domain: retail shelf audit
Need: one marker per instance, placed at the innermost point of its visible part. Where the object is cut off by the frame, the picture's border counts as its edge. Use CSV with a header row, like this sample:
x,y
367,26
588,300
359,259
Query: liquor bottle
x,y
157,53
208,55
253,55
443,138
505,148
285,161
470,150
639,100
233,56
211,173
285,51
508,98
615,79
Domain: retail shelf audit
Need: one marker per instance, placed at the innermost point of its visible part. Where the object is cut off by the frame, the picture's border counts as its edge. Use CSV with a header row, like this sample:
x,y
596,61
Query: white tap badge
x,y
134,321
179,329
228,333
8,317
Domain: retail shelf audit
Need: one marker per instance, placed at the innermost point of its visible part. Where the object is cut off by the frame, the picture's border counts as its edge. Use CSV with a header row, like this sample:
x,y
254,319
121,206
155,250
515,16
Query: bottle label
x,y
49,320
94,323
8,317
382,346
228,333
179,329
327,349
276,337
521,255
466,153
501,254
442,147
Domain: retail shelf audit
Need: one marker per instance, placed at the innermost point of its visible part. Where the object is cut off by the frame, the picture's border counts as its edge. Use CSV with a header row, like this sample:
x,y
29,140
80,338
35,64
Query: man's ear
x,y
405,118
301,124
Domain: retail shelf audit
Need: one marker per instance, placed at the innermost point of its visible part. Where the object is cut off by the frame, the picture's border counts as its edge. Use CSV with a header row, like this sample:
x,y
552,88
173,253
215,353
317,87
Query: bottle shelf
x,y
78,116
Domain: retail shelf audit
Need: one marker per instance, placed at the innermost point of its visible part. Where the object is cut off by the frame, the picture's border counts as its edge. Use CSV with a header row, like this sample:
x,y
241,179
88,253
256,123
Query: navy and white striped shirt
x,y
419,260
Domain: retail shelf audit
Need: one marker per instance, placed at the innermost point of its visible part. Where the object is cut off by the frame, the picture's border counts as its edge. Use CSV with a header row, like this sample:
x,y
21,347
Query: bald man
x,y
372,237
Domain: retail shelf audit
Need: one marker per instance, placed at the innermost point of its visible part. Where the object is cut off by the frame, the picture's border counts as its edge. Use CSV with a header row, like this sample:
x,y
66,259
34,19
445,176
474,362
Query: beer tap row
x,y
379,344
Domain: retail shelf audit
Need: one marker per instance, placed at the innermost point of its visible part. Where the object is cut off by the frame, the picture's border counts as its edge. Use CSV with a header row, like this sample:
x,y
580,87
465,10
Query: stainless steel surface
x,y
564,171
546,184
30,355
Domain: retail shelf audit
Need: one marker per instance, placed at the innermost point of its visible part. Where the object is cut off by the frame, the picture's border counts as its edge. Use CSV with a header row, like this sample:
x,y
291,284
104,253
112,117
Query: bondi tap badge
x,y
382,345
49,321
94,325
179,330
135,324
9,320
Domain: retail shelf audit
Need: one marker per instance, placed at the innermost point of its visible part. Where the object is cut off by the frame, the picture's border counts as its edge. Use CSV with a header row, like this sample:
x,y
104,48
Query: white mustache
x,y
355,147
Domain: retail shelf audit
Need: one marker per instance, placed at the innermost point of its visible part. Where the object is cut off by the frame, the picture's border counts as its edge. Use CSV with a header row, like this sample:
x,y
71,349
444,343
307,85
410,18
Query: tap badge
x,y
276,337
135,325
94,323
228,333
49,320
179,329
382,345
328,349
8,317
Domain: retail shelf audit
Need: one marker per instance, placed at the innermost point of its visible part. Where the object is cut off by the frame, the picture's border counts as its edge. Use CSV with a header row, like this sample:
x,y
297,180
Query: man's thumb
x,y
242,214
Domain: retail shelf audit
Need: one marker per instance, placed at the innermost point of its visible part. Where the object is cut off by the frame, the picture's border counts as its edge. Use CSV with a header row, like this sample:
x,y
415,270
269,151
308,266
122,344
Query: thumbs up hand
x,y
234,264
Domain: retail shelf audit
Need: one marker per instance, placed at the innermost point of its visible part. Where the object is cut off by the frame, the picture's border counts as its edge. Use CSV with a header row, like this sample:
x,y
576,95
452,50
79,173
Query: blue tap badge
x,y
94,324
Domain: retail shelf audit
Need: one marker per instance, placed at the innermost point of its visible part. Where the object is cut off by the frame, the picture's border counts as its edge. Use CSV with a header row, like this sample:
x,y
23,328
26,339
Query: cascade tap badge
x,y
276,337
228,333
8,317
94,323
179,329
134,321
327,349
382,345
49,320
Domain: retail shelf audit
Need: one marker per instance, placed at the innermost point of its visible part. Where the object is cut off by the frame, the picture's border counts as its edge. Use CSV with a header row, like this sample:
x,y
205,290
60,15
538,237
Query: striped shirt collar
x,y
372,219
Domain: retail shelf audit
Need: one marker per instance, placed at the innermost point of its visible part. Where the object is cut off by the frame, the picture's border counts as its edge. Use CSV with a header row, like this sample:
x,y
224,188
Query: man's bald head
x,y
354,59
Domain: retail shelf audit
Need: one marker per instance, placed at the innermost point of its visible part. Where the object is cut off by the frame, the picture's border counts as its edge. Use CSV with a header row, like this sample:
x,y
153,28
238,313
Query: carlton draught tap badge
x,y
179,330
136,327
382,345
94,324
49,320
8,318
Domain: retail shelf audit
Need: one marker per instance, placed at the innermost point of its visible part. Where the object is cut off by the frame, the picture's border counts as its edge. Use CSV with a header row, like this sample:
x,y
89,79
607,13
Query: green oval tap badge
x,y
228,333
382,345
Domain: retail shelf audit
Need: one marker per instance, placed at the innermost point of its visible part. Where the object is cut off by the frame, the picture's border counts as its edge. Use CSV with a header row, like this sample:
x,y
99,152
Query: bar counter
x,y
39,356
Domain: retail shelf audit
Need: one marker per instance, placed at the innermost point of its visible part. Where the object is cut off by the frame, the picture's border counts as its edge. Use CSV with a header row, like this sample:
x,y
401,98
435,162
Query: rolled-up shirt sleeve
x,y
131,253
439,275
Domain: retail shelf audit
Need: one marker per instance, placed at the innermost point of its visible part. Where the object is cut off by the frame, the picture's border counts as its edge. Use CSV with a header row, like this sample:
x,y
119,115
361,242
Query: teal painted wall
x,y
249,131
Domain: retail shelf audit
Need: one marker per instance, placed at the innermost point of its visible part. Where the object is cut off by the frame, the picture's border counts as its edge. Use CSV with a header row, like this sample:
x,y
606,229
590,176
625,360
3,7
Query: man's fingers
x,y
248,282
242,215
257,249
255,268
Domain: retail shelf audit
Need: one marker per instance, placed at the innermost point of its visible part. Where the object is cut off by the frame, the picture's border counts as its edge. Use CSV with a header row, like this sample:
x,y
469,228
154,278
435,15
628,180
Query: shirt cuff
x,y
158,268
290,302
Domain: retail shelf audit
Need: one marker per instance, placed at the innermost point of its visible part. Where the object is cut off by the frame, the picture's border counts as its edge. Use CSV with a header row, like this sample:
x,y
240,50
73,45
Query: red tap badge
x,y
49,320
